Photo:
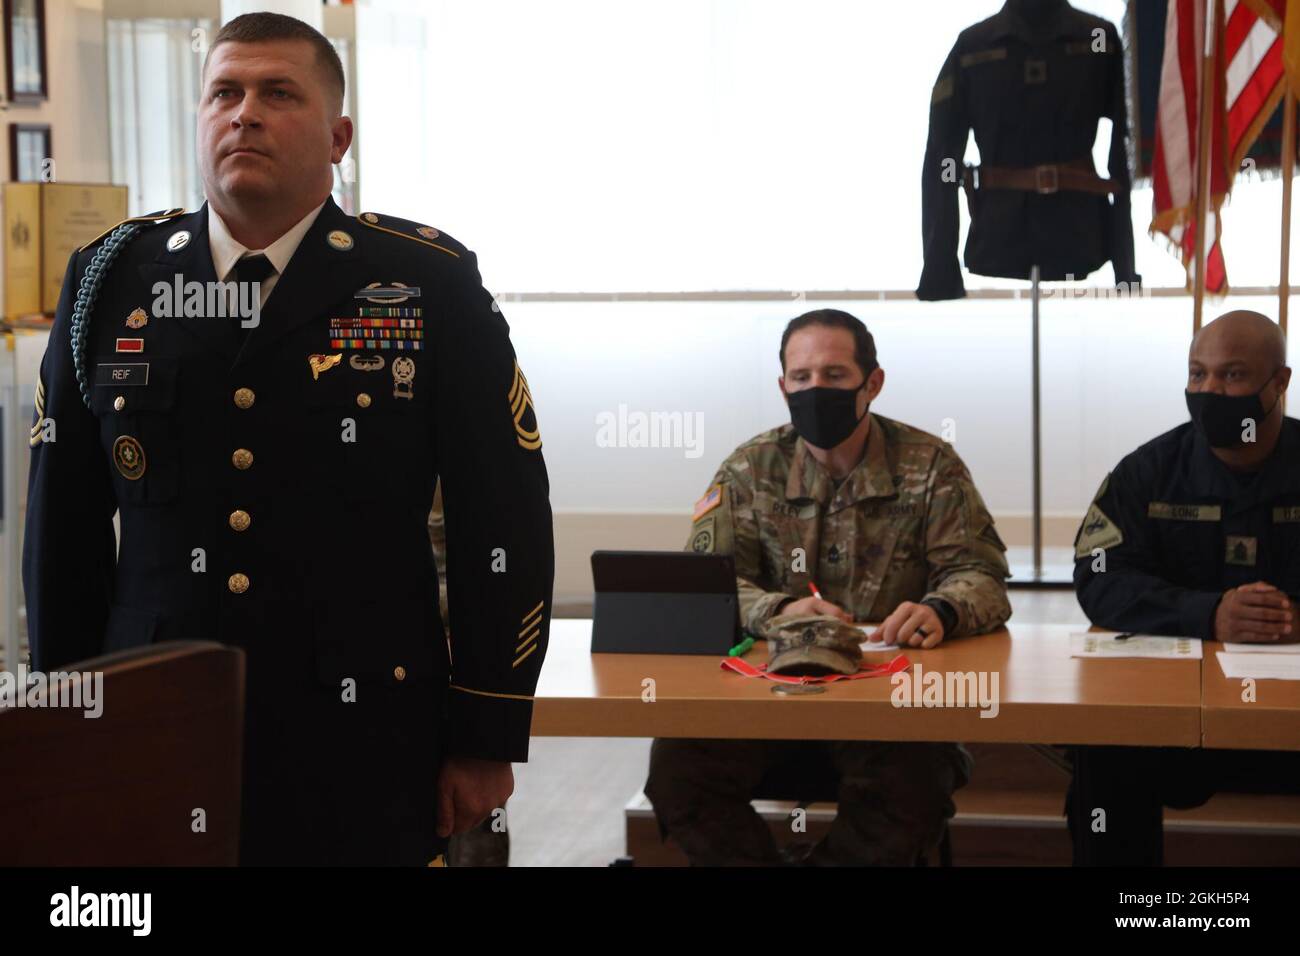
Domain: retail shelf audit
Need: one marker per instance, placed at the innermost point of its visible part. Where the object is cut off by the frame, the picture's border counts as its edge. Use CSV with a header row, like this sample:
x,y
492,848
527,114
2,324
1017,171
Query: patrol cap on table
x,y
811,644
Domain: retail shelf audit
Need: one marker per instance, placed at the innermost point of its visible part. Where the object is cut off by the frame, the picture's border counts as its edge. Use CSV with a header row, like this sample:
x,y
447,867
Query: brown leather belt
x,y
1075,176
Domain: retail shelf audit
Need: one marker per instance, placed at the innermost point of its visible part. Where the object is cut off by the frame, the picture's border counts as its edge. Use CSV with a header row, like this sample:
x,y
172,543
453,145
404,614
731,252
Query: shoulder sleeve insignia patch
x,y
702,539
1098,531
943,90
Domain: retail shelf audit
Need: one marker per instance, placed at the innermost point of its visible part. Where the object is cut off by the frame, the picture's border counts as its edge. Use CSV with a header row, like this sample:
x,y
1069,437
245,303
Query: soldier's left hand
x,y
469,790
911,625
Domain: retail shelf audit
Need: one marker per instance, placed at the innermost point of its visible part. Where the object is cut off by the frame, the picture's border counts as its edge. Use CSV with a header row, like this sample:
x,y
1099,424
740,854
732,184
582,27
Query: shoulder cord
x,y
88,291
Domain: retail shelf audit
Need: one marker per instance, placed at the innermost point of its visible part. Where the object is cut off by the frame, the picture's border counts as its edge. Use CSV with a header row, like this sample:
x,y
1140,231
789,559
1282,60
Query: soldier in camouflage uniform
x,y
886,521
480,845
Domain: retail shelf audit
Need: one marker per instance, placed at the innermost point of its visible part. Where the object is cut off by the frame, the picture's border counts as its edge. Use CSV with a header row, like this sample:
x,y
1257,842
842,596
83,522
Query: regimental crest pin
x,y
138,319
403,377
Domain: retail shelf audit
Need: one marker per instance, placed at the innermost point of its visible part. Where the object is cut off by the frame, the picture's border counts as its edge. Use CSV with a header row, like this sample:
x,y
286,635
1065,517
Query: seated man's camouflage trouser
x,y
894,798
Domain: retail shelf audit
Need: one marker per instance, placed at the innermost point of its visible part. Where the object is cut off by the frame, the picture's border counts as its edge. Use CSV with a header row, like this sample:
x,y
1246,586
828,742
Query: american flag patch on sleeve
x,y
708,502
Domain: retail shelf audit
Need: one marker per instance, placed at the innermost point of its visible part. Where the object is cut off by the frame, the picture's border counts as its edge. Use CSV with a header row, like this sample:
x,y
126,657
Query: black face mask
x,y
824,417
1220,417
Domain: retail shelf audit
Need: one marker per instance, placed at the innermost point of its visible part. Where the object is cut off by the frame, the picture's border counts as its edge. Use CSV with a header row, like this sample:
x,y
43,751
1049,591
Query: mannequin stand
x,y
1036,575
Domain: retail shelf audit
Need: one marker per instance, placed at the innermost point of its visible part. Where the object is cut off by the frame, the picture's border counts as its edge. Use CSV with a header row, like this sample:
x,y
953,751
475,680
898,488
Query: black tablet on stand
x,y
664,602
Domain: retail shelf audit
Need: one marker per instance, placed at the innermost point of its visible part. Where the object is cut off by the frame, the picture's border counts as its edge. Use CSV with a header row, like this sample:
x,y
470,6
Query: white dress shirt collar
x,y
226,251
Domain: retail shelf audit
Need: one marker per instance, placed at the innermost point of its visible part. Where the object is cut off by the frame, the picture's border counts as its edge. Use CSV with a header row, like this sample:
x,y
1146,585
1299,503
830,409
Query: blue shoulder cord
x,y
88,291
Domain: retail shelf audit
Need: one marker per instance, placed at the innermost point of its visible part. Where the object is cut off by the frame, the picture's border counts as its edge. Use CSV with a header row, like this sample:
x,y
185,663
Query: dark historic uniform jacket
x,y
1178,528
273,492
1034,104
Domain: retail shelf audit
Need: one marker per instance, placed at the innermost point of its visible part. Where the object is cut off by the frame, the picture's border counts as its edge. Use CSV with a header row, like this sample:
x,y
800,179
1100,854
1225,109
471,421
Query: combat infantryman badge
x,y
389,294
128,456
322,363
403,377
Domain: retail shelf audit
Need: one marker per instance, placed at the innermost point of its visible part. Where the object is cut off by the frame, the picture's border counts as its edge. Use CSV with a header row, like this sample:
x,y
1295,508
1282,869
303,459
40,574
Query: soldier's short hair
x,y
864,346
267,27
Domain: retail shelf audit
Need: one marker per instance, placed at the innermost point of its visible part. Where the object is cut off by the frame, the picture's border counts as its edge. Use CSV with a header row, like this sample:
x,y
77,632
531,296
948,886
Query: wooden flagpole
x,y
1208,87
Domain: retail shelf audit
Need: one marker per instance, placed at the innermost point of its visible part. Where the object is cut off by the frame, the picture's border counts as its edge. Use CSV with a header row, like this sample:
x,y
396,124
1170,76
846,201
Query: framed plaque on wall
x,y
30,146
26,67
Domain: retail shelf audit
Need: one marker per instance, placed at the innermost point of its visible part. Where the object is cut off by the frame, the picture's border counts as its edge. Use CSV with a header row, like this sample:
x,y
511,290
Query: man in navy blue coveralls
x,y
1197,533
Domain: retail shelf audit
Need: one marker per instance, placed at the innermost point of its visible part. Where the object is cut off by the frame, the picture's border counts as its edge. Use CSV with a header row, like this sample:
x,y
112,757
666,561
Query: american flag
x,y
1247,88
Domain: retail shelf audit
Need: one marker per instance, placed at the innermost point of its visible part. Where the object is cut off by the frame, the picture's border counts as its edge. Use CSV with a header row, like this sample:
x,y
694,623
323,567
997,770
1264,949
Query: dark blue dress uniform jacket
x,y
256,522
1177,529
1030,101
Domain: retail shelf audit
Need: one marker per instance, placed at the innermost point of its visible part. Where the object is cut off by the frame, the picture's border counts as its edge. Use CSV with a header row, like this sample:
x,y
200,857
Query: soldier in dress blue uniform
x,y
1196,533
273,473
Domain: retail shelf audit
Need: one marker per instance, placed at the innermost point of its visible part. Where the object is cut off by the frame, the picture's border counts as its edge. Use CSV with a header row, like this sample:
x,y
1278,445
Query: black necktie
x,y
255,268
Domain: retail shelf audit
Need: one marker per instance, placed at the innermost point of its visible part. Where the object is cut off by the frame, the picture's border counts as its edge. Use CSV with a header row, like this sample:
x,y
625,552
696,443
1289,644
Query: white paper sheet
x,y
877,645
1260,666
1261,649
869,646
1104,644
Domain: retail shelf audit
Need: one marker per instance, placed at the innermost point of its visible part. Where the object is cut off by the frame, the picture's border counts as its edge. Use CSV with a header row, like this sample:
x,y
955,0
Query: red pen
x,y
812,586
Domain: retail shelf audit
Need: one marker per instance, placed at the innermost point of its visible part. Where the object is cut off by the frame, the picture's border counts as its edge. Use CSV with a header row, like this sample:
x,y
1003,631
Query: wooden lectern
x,y
154,780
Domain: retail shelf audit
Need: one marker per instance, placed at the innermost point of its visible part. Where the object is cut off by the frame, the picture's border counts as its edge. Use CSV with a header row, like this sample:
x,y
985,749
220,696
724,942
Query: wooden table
x,y
1044,696
1270,722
